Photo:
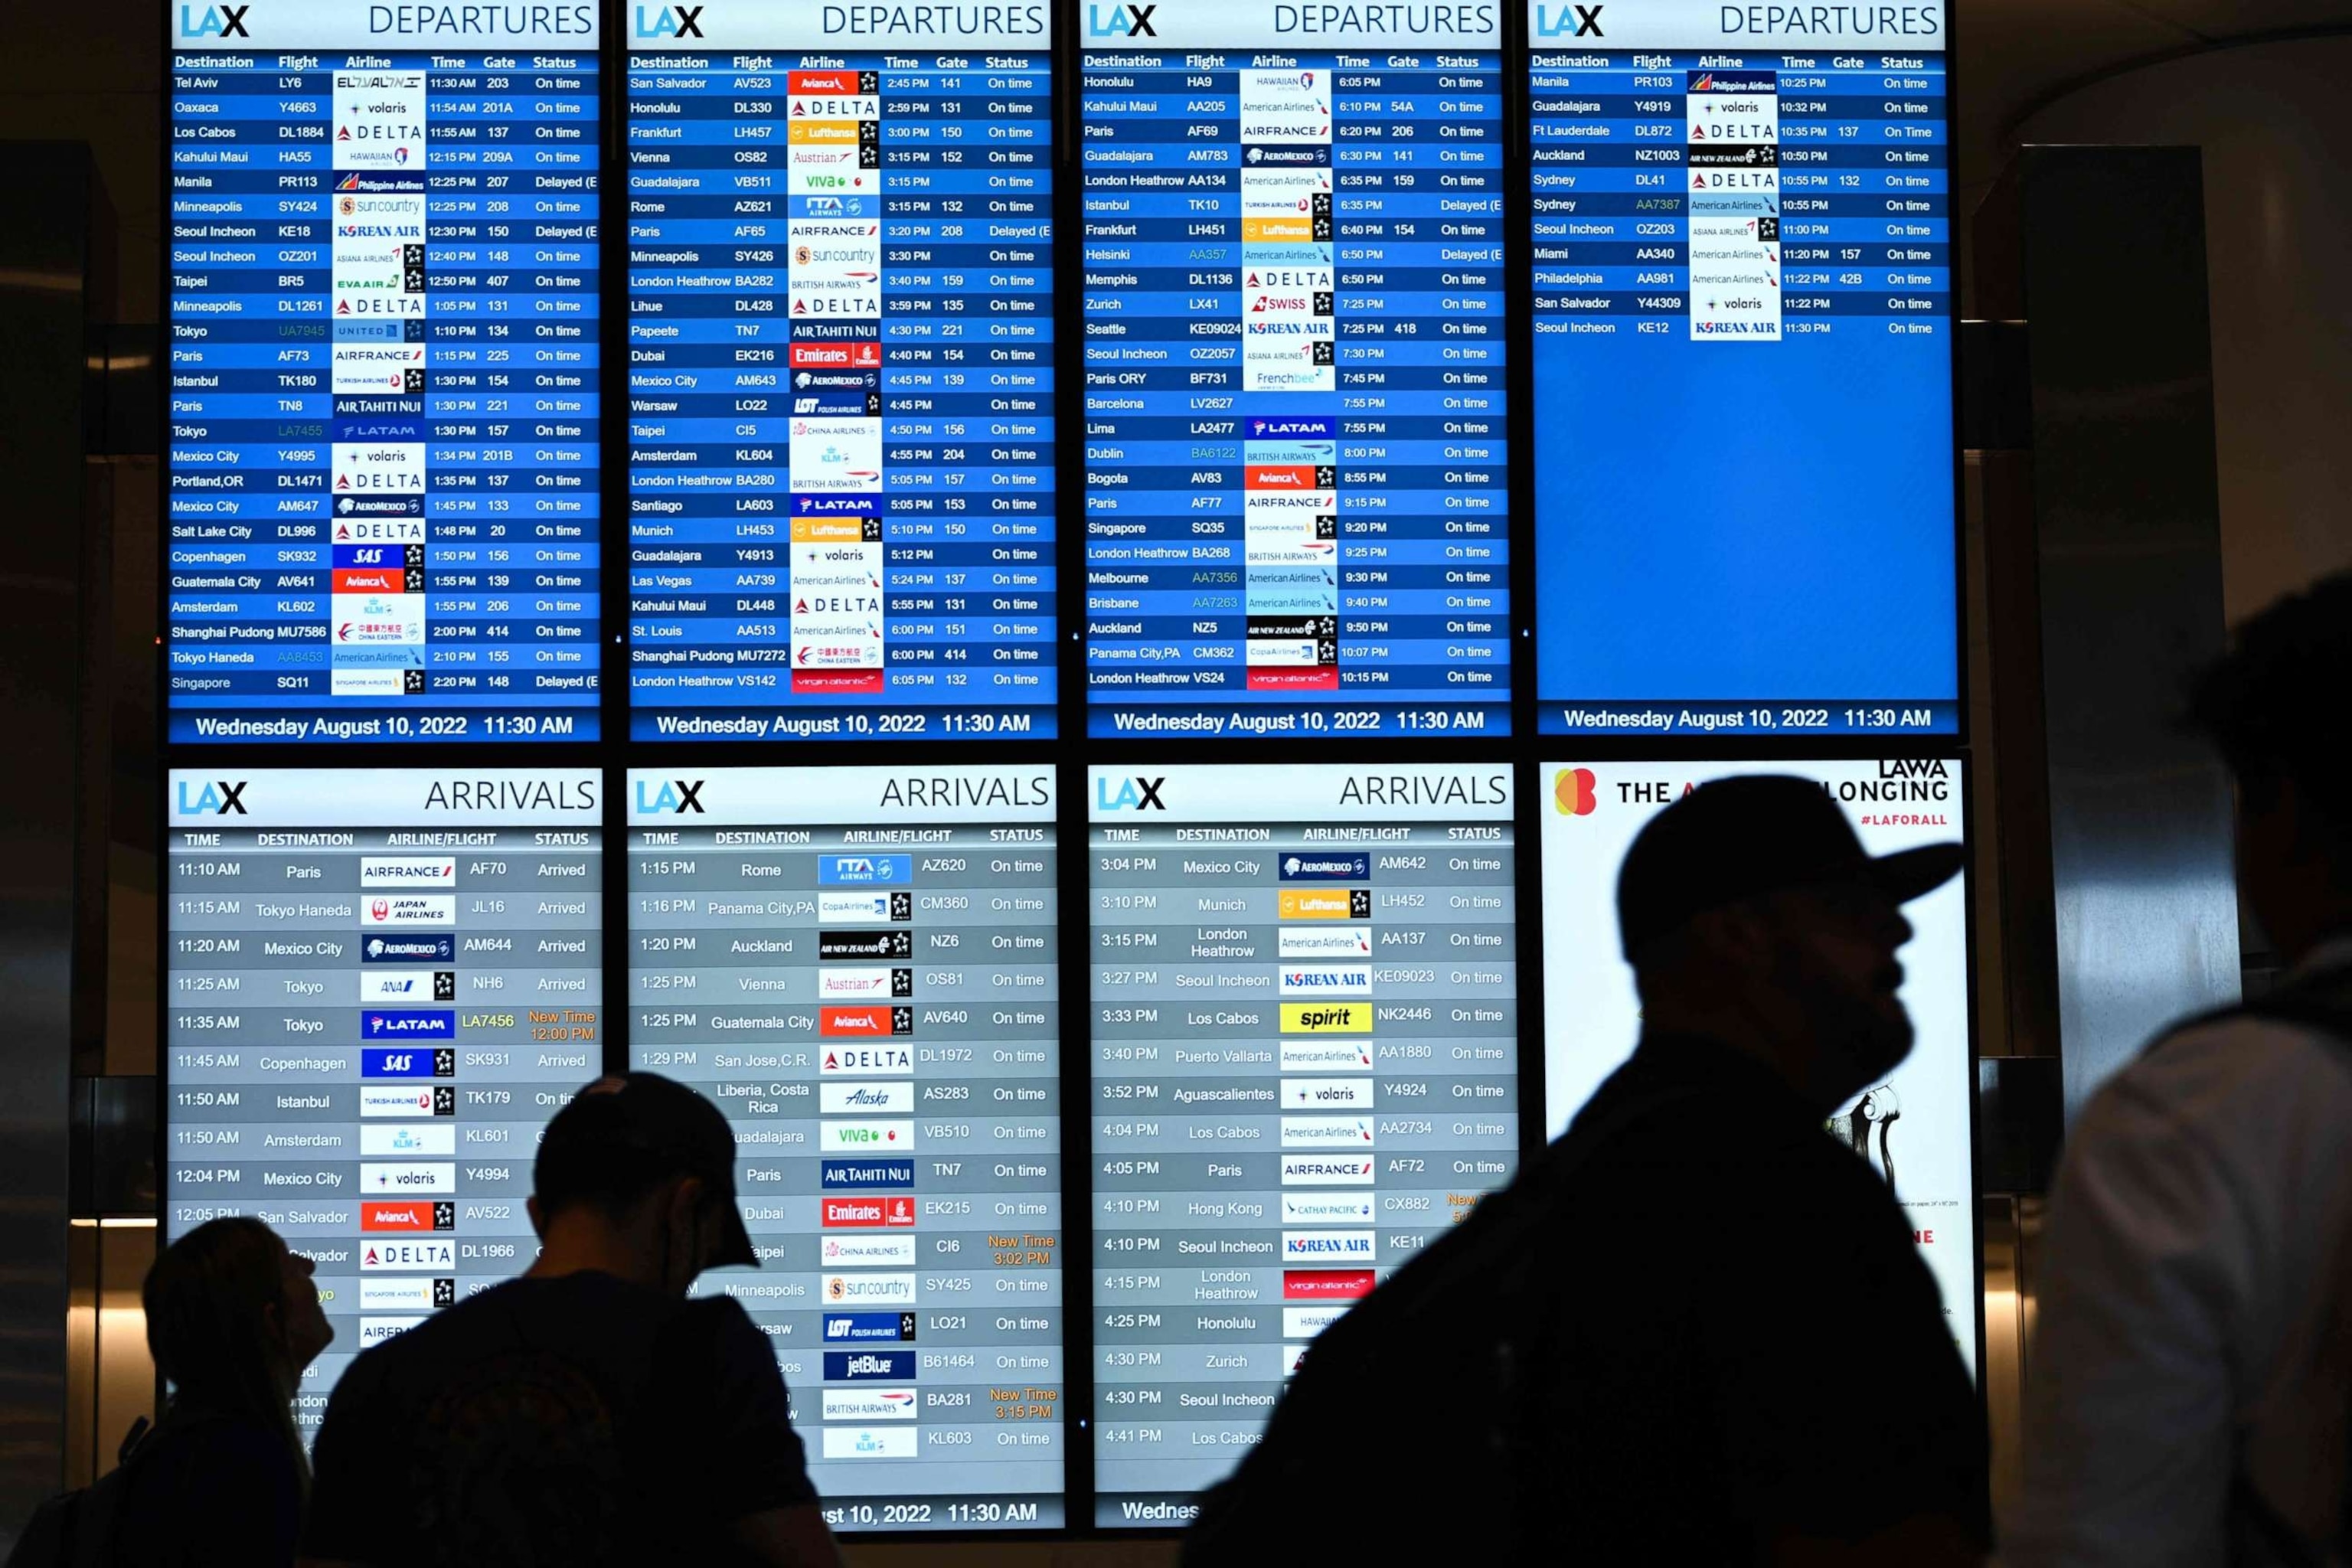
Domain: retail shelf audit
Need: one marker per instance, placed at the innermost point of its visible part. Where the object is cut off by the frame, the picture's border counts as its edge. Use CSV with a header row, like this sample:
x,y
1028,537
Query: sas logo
x,y
1568,22
1133,795
669,21
1129,21
217,799
217,22
676,797
1575,792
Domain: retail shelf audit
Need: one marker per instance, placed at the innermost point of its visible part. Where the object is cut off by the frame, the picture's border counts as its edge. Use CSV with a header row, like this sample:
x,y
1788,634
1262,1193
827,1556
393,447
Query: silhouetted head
x,y
1750,912
232,1320
650,1164
2276,706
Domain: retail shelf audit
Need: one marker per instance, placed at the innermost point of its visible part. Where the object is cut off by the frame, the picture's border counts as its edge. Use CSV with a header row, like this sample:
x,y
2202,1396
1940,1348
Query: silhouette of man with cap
x,y
1696,1329
589,1412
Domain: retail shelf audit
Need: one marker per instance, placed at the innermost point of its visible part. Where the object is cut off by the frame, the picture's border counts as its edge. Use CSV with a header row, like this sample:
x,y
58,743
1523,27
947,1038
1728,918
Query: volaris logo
x,y
676,797
217,22
1133,795
1129,21
1568,22
217,799
1574,791
669,21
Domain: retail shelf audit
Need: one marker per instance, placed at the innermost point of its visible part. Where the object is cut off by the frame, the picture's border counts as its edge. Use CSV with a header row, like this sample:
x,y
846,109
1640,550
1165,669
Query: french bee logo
x,y
1129,21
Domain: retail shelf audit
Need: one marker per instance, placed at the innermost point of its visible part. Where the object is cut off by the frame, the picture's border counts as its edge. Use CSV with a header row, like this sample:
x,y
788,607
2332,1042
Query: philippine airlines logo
x,y
1574,791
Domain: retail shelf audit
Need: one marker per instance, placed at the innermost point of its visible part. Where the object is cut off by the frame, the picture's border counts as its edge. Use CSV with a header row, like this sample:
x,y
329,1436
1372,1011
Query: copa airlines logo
x,y
669,21
1568,22
675,796
217,22
1575,792
1130,21
218,798
1132,794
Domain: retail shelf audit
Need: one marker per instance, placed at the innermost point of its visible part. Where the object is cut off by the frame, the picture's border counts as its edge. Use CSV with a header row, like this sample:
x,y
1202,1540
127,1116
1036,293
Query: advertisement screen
x,y
1741,238
380,987
860,966
841,384
382,443
1915,1127
1296,492
1305,1069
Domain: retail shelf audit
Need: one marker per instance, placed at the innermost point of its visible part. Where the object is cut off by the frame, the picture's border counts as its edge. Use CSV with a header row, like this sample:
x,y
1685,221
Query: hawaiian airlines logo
x,y
217,799
1568,22
1574,791
1129,21
669,21
217,22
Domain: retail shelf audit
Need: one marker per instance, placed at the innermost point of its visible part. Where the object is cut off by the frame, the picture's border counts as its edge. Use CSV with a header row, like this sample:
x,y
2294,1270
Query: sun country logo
x,y
1575,792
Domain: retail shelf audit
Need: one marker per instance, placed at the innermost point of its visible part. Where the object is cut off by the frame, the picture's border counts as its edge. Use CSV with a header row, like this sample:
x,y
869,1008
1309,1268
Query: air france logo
x,y
677,796
1133,795
1568,21
217,799
218,22
1129,21
669,21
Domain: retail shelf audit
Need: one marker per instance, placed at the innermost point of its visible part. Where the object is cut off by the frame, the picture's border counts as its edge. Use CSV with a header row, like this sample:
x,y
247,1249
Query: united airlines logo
x,y
217,799
675,796
1129,21
217,22
1132,794
669,21
1568,22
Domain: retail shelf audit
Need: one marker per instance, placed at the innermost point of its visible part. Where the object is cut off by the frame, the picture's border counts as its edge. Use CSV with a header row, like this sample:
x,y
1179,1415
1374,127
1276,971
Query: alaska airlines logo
x,y
677,796
1568,21
218,22
217,799
1134,794
669,21
1120,22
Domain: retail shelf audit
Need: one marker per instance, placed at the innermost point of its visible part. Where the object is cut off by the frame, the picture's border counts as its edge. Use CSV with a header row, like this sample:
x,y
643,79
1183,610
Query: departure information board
x,y
379,987
1296,495
1305,1061
1741,240
861,965
841,428
382,443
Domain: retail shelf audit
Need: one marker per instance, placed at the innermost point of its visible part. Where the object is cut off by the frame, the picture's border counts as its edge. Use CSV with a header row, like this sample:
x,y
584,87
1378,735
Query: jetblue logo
x,y
217,22
1120,22
676,797
1568,22
217,799
669,21
869,1366
1133,795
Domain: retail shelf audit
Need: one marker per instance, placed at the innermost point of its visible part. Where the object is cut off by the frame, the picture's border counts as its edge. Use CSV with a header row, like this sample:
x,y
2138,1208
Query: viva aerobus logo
x,y
218,798
1129,21
669,21
676,797
1568,22
217,22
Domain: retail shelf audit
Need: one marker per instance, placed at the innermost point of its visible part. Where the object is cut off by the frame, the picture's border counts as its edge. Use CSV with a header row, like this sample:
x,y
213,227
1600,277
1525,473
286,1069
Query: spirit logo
x,y
1129,21
1568,21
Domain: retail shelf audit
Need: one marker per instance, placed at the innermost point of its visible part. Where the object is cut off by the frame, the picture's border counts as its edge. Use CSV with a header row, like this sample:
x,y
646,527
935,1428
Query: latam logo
x,y
408,1025
869,1366
1129,21
219,798
1568,22
1326,1284
1132,794
674,797
1575,792
867,1214
217,22
853,1328
669,22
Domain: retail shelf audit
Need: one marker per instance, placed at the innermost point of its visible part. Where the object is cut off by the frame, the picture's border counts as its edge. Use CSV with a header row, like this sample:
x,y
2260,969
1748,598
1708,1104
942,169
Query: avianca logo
x,y
669,21
1574,791
1134,794
218,22
217,799
1568,21
1120,22
677,796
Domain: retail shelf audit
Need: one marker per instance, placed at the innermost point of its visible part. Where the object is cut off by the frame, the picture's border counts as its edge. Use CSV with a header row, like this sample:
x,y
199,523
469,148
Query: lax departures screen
x,y
379,987
1304,1069
860,967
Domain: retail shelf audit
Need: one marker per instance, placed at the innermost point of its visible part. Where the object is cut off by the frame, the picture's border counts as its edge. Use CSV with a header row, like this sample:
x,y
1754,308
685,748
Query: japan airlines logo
x,y
217,799
1133,795
1573,792
1568,21
669,21
217,22
676,797
1120,22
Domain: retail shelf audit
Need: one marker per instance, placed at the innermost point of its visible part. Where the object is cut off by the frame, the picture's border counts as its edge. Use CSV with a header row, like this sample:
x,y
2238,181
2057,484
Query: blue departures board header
x,y
841,437
1295,509
1741,240
381,479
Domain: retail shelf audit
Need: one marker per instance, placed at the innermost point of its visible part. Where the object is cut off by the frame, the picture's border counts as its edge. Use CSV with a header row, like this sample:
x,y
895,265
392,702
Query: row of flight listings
x,y
1299,1028
1299,228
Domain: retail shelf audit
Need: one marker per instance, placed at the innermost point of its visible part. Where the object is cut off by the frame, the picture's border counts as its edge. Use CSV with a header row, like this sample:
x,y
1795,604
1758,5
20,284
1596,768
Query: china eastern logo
x,y
1575,792
676,797
1130,21
669,21
218,798
217,22
1132,794
1568,22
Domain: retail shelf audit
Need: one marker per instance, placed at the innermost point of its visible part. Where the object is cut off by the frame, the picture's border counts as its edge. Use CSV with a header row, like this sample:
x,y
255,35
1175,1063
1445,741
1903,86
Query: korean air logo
x,y
1568,22
217,799
1132,794
1129,21
217,22
675,796
669,21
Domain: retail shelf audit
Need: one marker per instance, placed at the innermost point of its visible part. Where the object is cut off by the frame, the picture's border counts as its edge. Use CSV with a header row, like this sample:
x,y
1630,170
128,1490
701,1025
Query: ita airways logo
x,y
1575,792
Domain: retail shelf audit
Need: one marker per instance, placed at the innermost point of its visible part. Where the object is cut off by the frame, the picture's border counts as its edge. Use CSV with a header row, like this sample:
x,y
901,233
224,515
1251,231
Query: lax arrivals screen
x,y
1741,238
1305,1058
840,429
383,435
859,965
1295,451
1914,1128
381,986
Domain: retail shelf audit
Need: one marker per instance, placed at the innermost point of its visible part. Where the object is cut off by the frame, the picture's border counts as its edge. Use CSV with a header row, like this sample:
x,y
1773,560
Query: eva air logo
x,y
1568,22
1130,21
669,21
217,22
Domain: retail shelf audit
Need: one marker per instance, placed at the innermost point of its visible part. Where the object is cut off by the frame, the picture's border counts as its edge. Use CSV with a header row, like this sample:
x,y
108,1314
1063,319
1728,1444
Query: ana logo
x,y
669,21
677,796
1120,22
1134,794
217,799
1572,790
218,22
1568,21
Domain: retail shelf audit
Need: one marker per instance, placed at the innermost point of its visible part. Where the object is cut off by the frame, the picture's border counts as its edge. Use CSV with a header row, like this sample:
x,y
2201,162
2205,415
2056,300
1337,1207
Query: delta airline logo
x,y
860,1061
219,798
215,22
408,1257
1575,792
887,1213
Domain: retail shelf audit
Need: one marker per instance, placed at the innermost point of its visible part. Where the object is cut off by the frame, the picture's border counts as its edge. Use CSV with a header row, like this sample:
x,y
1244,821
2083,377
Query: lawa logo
x,y
1120,22
677,796
1568,22
1133,795
217,22
669,21
215,799
1574,791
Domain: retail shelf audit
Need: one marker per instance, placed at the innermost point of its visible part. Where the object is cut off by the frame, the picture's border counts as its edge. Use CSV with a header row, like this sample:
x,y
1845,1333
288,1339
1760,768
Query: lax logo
x,y
1134,794
676,797
1129,21
1568,22
218,22
217,799
669,21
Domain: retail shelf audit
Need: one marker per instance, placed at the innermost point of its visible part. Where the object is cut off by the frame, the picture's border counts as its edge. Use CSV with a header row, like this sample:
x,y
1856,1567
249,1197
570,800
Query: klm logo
x,y
217,22
1120,22
1133,795
214,799
1568,22
669,21
676,797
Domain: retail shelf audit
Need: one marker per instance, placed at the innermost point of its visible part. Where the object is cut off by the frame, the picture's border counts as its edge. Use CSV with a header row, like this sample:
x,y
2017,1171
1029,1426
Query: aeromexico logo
x,y
217,22
1568,22
669,21
1129,21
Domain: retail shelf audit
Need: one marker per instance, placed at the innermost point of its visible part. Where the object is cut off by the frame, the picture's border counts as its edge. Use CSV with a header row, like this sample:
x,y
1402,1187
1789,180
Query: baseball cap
x,y
1756,833
641,1126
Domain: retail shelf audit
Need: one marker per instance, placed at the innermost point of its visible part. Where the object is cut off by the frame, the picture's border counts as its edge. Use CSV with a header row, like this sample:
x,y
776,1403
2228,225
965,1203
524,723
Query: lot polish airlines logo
x,y
1129,21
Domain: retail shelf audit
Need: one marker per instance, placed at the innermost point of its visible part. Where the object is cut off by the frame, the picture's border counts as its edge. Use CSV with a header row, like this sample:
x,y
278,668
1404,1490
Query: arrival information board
x,y
1295,451
1742,245
1305,1058
860,967
841,430
383,434
381,986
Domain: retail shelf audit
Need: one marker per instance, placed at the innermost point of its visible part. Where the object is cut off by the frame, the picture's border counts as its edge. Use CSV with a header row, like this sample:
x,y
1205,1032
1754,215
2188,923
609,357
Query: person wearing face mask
x,y
590,1411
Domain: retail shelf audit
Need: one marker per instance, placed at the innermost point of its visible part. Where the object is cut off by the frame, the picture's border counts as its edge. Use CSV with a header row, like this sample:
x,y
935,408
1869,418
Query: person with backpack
x,y
2191,1374
1695,1330
590,1411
